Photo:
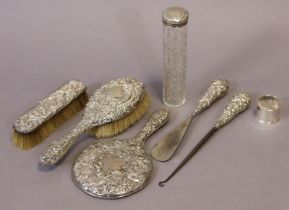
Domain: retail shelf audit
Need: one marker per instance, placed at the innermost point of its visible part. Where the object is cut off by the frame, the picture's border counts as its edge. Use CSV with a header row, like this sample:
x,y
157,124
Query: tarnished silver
x,y
112,101
117,168
49,106
237,104
175,16
268,109
167,146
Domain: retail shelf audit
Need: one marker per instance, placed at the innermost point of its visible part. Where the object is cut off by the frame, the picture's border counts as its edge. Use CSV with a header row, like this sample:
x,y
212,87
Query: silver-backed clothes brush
x,y
237,104
167,146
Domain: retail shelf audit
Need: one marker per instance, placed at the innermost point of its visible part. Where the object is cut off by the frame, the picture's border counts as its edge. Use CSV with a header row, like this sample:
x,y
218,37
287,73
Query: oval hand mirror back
x,y
117,168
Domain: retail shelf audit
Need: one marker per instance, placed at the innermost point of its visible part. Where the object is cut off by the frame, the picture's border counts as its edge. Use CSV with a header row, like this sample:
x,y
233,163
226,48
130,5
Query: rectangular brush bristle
x,y
50,113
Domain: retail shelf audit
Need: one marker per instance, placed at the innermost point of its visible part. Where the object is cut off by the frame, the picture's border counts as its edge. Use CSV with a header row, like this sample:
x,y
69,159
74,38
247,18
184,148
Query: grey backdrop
x,y
45,43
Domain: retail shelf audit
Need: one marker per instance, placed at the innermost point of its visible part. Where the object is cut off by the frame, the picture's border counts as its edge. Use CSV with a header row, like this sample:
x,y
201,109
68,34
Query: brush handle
x,y
237,104
57,149
156,120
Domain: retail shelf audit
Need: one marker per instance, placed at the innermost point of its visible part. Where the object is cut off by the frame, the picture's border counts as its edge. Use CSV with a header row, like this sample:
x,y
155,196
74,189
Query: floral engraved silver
x,y
49,106
237,104
216,90
117,168
112,101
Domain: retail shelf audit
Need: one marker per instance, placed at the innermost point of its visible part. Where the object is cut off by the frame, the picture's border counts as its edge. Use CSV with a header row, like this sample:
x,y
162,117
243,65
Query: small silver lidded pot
x,y
175,21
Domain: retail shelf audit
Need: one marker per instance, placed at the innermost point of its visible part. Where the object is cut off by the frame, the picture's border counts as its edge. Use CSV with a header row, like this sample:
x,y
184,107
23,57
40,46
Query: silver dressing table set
x,y
116,168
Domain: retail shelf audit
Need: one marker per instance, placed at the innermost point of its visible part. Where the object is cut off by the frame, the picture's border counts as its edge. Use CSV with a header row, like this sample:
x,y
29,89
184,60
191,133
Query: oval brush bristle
x,y
119,126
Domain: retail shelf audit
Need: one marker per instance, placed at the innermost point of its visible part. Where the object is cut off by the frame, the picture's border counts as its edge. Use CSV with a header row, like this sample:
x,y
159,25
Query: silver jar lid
x,y
268,110
175,16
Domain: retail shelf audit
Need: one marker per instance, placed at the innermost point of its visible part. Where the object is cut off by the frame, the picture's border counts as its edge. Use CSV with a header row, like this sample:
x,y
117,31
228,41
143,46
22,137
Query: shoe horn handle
x,y
237,104
217,89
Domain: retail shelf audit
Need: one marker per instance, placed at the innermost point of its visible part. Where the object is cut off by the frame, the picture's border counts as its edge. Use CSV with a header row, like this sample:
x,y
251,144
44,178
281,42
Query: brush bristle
x,y
28,140
114,128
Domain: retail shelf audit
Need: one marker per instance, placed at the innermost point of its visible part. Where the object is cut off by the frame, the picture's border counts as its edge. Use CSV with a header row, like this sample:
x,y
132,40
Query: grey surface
x,y
244,166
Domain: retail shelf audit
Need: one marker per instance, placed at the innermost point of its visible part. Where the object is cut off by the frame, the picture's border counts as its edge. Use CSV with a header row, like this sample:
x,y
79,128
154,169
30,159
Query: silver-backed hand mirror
x,y
117,168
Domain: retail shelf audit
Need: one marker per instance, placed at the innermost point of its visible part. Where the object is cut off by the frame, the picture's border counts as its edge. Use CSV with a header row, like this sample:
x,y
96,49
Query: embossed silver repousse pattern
x,y
112,101
237,104
216,90
117,168
49,106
